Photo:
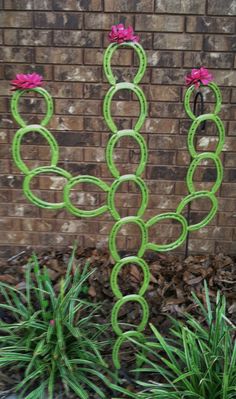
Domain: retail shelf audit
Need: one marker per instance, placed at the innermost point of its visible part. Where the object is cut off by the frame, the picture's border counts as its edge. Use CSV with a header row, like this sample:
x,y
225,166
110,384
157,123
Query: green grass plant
x,y
198,361
53,338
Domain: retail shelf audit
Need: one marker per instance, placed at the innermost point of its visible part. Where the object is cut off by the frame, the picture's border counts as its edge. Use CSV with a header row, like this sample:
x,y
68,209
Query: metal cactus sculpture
x,y
127,39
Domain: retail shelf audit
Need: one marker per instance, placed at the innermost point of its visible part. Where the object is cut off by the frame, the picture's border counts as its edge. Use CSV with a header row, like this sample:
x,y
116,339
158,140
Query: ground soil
x,y
172,281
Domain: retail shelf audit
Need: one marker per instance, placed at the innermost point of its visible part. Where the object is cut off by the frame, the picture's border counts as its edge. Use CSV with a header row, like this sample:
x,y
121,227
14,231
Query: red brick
x,y
16,5
216,7
14,19
16,54
74,107
60,55
77,38
96,21
201,246
164,58
58,20
219,43
161,23
210,25
180,6
177,41
131,6
77,73
27,37
28,5
77,5
211,60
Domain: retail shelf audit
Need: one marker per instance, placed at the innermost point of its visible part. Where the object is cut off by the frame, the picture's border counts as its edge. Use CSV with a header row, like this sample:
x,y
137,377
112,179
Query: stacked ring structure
x,y
72,182
122,300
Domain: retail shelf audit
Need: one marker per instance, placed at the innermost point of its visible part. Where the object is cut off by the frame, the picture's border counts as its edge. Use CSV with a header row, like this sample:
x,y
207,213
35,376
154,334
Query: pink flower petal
x,y
27,81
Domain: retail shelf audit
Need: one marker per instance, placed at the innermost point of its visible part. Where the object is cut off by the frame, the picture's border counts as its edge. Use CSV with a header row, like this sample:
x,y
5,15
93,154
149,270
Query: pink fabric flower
x,y
198,76
29,81
119,34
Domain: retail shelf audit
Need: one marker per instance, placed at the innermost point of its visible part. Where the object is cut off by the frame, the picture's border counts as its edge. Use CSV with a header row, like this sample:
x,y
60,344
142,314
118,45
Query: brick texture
x,y
65,42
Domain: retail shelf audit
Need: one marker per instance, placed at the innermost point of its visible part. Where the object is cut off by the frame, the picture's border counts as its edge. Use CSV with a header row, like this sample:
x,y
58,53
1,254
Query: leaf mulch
x,y
172,281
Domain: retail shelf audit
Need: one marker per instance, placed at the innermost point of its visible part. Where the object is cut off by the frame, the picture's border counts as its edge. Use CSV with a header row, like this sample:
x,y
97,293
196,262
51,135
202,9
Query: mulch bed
x,y
172,281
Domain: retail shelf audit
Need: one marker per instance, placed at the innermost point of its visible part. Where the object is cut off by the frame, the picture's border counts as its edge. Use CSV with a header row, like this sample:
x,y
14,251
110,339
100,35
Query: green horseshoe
x,y
84,179
116,269
194,127
194,165
110,149
189,92
196,195
121,302
17,143
122,222
119,342
15,105
107,105
176,243
108,56
37,201
126,178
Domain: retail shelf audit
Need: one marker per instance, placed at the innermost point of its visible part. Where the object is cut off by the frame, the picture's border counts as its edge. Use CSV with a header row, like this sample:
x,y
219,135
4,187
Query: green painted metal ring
x,y
217,94
84,179
112,236
194,127
107,104
37,201
17,143
121,302
118,266
167,247
108,56
127,178
119,342
194,164
15,105
111,145
196,195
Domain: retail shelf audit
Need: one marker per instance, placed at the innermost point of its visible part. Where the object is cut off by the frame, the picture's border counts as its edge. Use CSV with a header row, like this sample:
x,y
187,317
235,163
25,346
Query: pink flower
x,y
198,76
52,323
119,34
25,82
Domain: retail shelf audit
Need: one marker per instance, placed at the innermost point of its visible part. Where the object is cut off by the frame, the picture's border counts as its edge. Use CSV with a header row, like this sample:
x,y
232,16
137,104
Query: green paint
x,y
72,183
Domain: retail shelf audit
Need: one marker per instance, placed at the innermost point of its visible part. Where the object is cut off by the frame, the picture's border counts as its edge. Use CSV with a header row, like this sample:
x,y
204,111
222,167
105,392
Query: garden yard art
x,y
121,37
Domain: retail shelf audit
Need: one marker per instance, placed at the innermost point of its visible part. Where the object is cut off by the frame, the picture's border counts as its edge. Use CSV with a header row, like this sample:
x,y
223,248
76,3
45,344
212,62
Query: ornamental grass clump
x,y
197,361
53,340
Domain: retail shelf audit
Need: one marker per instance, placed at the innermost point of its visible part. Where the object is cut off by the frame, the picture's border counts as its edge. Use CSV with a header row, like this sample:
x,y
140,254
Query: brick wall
x,y
65,41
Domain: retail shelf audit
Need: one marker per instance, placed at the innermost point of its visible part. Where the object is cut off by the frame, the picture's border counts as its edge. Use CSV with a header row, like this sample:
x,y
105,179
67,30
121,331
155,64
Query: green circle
x,y
176,243
114,187
84,179
37,201
196,195
119,342
116,269
195,163
194,127
121,302
110,148
15,102
108,56
191,89
17,143
107,105
112,236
